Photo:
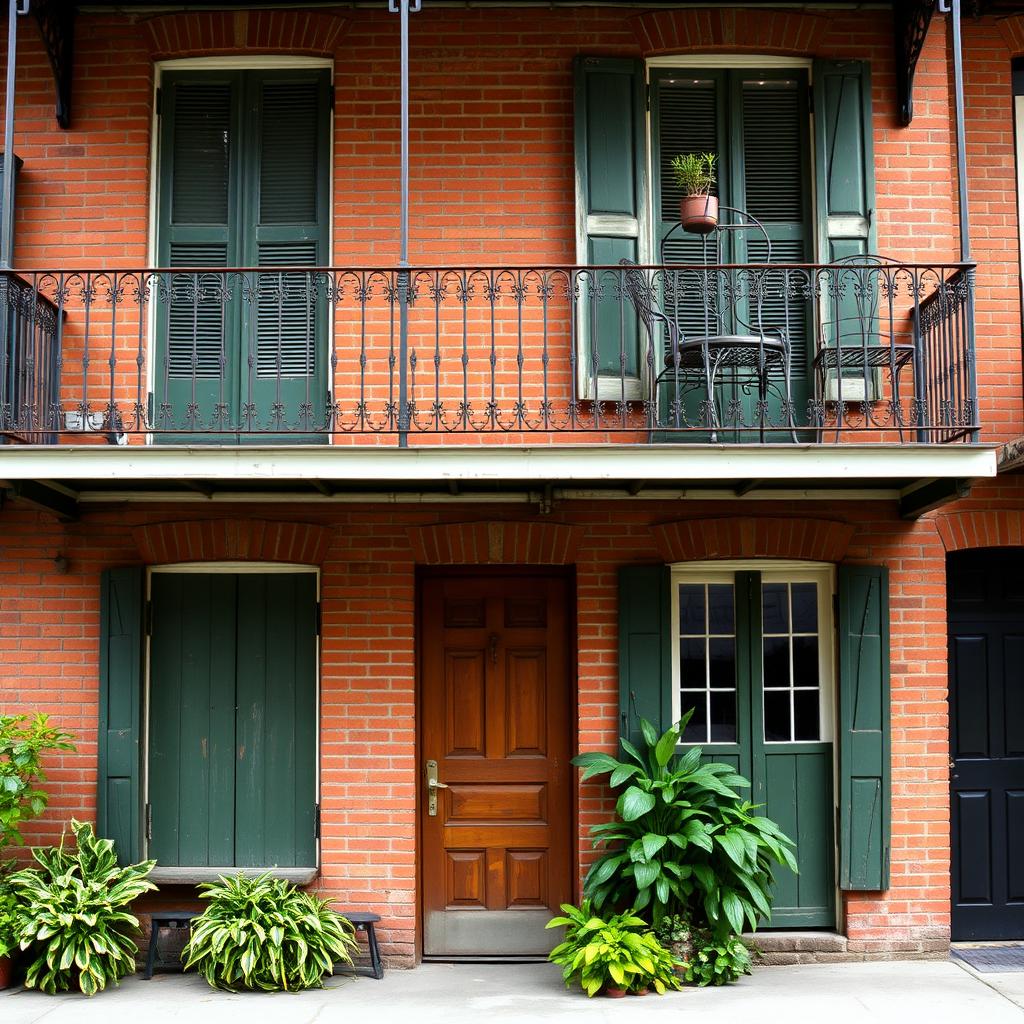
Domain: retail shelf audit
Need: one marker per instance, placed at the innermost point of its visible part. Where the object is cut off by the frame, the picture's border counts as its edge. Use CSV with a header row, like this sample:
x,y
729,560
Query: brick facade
x,y
492,182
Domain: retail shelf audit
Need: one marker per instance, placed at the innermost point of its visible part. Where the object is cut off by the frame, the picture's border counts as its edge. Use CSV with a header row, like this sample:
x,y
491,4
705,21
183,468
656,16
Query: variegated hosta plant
x,y
262,933
72,916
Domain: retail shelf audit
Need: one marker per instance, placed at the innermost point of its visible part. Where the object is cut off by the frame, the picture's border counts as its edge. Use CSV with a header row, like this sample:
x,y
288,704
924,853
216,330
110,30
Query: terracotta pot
x,y
6,971
614,993
698,214
639,991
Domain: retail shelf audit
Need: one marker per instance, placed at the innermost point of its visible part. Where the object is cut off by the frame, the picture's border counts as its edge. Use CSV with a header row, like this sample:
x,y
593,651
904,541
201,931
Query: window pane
x,y
720,611
805,661
776,661
805,607
696,728
723,662
775,607
776,716
723,717
691,663
691,609
806,708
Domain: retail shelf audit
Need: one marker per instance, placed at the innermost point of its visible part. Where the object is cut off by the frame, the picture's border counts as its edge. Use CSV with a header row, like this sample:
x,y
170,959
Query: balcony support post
x,y
403,9
15,8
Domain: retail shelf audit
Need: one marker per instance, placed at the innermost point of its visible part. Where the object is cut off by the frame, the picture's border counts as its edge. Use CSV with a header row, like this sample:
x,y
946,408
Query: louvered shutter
x,y
287,186
17,168
611,196
198,322
864,742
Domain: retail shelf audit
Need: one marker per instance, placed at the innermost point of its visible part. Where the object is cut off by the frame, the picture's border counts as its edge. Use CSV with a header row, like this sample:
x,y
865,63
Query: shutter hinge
x,y
159,101
316,821
149,822
149,618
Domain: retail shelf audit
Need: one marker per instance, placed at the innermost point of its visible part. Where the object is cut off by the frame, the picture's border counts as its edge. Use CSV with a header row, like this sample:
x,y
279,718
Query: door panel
x,y
495,698
986,694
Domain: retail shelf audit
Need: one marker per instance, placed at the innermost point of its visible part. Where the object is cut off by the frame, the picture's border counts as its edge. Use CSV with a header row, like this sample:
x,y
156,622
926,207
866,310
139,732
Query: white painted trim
x,y
1018,124
726,60
241,568
563,463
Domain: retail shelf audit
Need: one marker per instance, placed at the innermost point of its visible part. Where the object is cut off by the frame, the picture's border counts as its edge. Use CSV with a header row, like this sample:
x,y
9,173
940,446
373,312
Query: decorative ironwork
x,y
56,21
911,19
502,353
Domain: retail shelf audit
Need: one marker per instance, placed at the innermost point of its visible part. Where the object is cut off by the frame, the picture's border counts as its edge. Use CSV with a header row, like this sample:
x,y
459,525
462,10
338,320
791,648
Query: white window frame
x,y
772,571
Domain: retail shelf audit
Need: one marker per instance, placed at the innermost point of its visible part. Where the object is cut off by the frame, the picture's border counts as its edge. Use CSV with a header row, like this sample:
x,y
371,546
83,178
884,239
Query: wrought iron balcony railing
x,y
867,350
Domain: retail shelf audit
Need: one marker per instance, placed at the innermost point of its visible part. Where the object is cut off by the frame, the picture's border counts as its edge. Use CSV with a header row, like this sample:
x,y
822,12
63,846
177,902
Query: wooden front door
x,y
986,712
495,699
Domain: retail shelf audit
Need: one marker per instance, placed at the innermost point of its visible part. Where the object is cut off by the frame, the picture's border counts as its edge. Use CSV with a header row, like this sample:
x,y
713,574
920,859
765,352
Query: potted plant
x,y
612,955
266,935
695,176
72,916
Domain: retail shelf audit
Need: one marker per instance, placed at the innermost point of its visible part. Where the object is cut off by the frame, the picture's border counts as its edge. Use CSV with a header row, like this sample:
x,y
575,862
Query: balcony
x,y
549,360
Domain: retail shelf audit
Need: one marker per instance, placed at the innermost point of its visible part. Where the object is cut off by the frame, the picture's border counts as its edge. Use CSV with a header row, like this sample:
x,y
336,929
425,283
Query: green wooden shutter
x,y
121,612
645,649
611,201
844,158
864,772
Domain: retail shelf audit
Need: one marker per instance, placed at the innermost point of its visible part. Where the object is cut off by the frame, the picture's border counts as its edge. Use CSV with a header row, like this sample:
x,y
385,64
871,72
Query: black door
x,y
986,704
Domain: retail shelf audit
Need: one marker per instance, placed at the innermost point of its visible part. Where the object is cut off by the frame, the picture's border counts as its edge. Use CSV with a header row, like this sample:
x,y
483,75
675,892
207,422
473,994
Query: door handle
x,y
432,787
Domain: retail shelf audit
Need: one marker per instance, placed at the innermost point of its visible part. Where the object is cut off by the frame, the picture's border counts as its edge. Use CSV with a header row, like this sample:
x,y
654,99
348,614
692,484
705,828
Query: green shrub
x,y
685,842
718,963
8,919
70,914
23,742
618,952
262,933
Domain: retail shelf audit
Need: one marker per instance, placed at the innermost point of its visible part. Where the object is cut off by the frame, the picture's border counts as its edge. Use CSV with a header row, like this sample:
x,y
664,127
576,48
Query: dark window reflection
x,y
691,609
805,607
805,661
691,663
723,662
776,661
805,703
696,730
721,617
775,607
776,716
723,717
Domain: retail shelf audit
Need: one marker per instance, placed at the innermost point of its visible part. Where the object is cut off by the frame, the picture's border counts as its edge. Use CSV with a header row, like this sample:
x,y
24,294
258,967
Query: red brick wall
x,y
492,145
49,639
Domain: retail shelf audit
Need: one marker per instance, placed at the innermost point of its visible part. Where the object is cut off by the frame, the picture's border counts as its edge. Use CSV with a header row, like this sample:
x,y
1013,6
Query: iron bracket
x,y
911,19
56,21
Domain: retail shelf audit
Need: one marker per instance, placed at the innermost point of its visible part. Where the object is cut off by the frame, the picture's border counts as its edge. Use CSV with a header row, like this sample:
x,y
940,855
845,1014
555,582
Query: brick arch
x,y
960,531
208,33
692,540
731,30
224,540
493,543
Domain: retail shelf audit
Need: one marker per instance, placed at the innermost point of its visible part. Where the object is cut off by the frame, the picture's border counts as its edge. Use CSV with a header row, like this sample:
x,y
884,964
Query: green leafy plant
x,y
619,952
718,963
685,842
8,919
71,914
24,741
262,933
676,934
695,173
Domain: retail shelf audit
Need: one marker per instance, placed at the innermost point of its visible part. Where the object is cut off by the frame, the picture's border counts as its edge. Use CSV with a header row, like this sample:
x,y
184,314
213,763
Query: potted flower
x,y
695,176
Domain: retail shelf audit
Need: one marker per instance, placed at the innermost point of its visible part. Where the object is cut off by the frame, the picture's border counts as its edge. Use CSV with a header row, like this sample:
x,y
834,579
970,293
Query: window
x,y
243,182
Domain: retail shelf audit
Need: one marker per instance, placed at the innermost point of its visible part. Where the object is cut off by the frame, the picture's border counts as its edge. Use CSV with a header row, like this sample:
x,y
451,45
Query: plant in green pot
x,y
71,914
612,955
695,176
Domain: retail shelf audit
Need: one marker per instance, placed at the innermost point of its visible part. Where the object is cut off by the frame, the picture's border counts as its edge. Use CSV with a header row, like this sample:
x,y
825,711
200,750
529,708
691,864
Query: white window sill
x,y
191,875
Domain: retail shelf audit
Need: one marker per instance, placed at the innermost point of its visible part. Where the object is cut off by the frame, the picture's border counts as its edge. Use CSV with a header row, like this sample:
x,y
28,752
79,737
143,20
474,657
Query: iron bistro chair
x,y
724,338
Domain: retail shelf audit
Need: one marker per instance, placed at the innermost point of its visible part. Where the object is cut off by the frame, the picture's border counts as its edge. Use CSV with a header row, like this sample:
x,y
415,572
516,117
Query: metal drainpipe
x,y
403,9
14,9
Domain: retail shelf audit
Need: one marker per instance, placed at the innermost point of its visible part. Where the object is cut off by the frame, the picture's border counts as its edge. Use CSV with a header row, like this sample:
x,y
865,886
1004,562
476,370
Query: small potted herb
x,y
695,176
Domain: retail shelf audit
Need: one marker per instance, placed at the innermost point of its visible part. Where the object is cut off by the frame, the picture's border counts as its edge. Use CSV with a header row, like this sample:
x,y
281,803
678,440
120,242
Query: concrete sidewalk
x,y
908,992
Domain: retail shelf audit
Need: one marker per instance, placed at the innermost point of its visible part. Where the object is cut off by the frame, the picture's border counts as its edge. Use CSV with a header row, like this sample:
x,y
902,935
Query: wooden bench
x,y
161,919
